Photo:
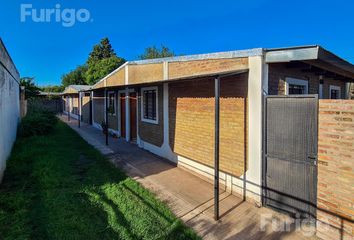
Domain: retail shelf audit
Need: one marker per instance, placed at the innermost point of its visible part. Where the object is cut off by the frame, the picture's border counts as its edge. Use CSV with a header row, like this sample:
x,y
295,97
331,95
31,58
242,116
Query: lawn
x,y
59,187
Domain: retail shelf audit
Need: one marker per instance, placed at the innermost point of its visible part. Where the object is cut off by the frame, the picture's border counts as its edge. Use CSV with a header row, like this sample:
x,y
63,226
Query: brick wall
x,y
150,132
206,66
278,72
335,189
191,121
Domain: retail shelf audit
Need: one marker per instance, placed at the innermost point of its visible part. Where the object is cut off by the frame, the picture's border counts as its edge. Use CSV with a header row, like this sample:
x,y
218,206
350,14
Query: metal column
x,y
216,156
106,111
79,110
69,108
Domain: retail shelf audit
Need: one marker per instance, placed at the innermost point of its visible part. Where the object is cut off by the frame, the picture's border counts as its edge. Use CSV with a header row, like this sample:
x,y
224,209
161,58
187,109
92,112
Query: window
x,y
149,105
334,92
111,103
296,86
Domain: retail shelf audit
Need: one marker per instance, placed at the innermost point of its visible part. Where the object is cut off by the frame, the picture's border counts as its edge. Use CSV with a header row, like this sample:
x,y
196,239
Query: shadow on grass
x,y
59,187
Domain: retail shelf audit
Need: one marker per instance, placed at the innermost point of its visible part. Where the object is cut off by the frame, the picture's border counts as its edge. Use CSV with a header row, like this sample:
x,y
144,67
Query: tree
x,y
75,77
101,68
101,61
53,88
153,52
31,90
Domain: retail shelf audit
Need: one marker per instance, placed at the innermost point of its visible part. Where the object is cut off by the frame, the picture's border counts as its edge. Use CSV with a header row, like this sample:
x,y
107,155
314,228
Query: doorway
x,y
290,154
122,115
133,119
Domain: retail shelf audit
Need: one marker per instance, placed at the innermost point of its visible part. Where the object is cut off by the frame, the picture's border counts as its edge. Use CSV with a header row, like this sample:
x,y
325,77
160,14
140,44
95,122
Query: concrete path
x,y
190,197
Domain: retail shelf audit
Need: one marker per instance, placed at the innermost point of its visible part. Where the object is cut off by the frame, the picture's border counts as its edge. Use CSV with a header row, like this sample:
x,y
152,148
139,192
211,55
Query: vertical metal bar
x,y
69,108
216,156
106,111
79,110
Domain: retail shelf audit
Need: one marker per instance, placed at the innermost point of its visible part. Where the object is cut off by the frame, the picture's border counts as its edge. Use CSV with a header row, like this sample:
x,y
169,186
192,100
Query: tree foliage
x,y
31,89
52,88
153,52
101,68
101,61
75,77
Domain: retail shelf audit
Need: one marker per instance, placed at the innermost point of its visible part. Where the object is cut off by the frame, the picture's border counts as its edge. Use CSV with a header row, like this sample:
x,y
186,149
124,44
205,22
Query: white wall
x,y
9,106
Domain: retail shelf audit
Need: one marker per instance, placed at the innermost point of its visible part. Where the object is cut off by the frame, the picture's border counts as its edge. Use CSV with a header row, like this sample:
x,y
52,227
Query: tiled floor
x,y
189,197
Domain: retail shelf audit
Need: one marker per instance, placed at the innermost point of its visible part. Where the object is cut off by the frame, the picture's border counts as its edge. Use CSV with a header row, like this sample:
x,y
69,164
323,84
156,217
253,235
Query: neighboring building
x,y
168,106
9,105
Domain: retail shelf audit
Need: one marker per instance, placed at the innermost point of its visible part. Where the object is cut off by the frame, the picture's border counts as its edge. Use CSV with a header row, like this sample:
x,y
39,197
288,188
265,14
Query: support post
x,y
106,112
69,108
79,110
216,148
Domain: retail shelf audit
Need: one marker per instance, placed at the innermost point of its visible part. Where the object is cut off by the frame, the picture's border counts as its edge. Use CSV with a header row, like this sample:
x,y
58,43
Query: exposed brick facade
x,y
335,189
150,132
278,72
191,121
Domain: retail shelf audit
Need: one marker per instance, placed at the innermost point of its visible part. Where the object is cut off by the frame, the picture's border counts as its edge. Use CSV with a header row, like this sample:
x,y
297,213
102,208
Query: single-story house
x,y
207,113
70,100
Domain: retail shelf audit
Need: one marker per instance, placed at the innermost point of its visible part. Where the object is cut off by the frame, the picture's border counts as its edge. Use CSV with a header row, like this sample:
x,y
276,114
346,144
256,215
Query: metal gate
x,y
290,153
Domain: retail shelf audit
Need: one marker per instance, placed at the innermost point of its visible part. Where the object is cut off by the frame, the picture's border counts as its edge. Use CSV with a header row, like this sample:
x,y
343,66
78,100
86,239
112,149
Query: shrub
x,y
37,123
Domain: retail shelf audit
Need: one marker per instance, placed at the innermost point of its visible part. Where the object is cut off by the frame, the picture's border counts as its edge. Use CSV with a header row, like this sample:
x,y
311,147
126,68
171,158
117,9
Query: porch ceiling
x,y
315,56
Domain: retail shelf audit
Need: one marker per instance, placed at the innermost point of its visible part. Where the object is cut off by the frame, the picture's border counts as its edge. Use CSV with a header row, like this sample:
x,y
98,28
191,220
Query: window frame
x,y
156,121
337,88
109,103
296,81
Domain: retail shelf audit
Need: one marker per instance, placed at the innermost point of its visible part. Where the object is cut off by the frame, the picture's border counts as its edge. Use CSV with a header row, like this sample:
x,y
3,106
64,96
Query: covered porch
x,y
190,197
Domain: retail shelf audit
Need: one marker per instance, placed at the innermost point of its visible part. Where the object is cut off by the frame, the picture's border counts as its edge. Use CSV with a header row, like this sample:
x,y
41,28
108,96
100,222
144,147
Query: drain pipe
x,y
216,147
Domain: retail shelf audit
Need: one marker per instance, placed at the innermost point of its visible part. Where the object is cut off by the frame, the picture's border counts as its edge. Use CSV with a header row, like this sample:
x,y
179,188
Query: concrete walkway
x,y
190,197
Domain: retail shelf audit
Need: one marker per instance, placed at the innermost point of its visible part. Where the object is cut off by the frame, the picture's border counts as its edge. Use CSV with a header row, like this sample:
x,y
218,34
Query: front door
x,y
132,101
122,115
290,154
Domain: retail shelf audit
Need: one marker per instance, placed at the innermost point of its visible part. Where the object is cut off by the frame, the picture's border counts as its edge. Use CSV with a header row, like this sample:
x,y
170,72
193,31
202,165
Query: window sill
x,y
150,121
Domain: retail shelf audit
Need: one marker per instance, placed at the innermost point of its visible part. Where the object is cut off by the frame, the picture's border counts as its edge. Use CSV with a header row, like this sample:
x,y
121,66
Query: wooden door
x,y
132,101
122,114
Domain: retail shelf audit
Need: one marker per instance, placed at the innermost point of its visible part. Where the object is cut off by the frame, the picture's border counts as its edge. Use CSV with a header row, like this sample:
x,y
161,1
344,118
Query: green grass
x,y
59,187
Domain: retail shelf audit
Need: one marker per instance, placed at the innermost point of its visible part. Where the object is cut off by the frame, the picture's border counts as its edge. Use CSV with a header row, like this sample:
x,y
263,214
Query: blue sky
x,y
47,50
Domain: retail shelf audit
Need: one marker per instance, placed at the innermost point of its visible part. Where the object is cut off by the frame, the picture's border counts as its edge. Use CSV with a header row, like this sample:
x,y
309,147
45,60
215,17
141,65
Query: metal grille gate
x,y
290,153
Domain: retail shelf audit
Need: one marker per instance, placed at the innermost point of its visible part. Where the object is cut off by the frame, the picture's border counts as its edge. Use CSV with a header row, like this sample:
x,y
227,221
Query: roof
x,y
48,93
76,88
312,54
154,69
182,67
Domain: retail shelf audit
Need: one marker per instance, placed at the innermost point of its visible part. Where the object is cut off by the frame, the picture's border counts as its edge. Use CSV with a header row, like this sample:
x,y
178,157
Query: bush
x,y
37,123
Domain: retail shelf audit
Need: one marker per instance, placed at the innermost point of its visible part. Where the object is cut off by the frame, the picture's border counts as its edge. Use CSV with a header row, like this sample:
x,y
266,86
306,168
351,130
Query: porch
x,y
189,196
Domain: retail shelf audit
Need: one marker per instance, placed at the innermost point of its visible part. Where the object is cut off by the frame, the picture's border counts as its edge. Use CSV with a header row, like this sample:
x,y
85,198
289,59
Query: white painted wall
x,y
9,106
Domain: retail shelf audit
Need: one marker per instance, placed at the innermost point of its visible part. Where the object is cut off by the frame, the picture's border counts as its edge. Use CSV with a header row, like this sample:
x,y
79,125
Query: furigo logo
x,y
67,16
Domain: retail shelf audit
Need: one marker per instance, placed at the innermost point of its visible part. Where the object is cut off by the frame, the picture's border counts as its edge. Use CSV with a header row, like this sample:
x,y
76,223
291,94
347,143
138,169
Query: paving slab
x,y
191,197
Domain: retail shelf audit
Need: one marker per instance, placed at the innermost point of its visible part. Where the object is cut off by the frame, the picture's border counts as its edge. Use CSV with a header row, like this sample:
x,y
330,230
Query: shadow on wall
x,y
192,122
49,104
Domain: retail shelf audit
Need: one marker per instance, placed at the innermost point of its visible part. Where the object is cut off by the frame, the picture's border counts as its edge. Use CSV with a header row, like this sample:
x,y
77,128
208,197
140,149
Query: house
x,y
243,118
70,100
